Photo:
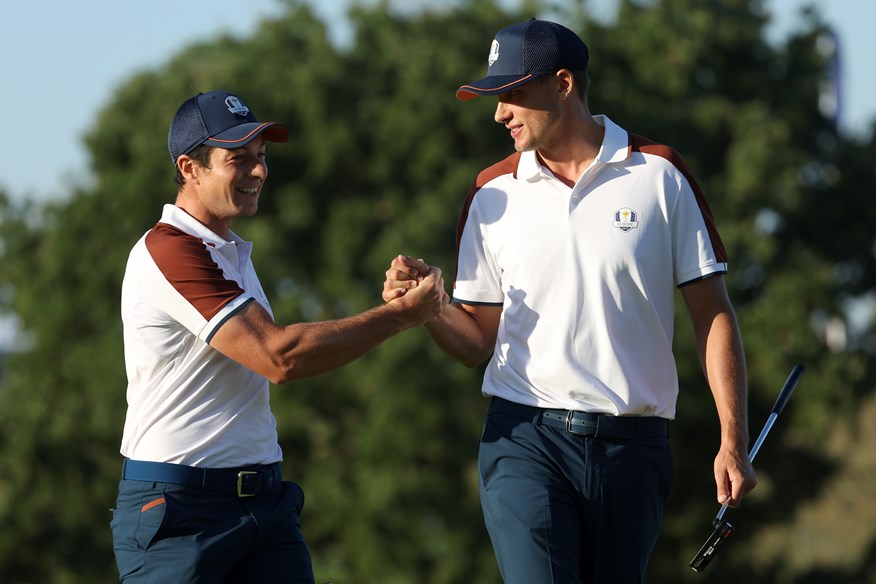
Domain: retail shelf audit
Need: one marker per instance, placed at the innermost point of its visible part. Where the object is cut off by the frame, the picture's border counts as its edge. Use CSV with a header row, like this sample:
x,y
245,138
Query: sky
x,y
62,62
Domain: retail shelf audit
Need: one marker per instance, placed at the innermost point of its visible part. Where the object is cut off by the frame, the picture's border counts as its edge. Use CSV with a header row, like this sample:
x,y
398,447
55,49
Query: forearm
x,y
285,353
720,349
723,359
459,334
308,349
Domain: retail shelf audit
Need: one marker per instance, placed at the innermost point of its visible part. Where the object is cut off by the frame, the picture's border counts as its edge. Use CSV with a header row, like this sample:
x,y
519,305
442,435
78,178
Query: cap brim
x,y
493,85
243,134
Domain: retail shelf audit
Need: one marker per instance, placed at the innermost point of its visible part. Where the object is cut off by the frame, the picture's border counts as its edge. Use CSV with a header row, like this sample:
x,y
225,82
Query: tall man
x,y
569,253
202,498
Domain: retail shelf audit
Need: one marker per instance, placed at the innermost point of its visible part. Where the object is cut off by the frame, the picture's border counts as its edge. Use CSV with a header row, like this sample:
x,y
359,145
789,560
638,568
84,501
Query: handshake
x,y
415,289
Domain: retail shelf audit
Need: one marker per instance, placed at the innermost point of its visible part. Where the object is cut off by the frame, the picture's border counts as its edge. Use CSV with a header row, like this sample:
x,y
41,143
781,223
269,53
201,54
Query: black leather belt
x,y
584,423
244,482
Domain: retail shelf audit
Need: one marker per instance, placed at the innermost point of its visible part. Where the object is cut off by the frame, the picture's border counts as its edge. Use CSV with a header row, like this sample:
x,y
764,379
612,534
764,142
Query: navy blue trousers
x,y
567,509
166,533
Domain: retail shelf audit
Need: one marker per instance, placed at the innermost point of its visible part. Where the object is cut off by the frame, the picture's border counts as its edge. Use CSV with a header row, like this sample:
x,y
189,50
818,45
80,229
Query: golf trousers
x,y
169,533
564,508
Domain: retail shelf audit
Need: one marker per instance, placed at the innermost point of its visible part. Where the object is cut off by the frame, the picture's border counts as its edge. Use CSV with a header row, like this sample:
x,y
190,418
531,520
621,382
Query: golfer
x,y
569,254
202,498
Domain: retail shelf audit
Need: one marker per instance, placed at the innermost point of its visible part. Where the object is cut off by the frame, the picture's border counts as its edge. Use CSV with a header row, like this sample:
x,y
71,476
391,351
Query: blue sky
x,y
62,61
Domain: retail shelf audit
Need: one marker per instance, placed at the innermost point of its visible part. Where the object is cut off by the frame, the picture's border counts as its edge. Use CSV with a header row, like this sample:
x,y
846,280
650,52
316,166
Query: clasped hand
x,y
416,286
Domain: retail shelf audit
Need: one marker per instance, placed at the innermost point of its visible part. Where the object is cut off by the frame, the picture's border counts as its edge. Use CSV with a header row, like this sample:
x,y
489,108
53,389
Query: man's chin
x,y
524,145
247,210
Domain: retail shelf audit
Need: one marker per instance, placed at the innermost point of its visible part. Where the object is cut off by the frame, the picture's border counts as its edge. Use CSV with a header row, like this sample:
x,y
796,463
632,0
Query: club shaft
x,y
763,434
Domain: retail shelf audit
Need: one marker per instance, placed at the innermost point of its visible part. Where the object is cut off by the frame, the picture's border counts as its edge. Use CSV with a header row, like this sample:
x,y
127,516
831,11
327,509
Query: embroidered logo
x,y
626,219
494,53
236,106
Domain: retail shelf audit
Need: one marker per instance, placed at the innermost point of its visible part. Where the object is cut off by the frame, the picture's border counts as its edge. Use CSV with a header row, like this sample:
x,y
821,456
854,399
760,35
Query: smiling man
x,y
569,254
202,498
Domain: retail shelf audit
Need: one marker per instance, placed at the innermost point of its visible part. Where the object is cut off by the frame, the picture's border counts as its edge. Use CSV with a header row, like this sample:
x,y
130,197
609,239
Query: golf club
x,y
723,528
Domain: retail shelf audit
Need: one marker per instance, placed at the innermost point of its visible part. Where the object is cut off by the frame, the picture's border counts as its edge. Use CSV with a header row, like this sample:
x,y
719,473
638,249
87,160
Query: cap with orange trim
x,y
217,118
525,51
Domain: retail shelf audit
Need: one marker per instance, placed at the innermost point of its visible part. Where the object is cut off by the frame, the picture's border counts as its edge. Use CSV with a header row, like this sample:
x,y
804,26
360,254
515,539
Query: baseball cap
x,y
217,118
522,52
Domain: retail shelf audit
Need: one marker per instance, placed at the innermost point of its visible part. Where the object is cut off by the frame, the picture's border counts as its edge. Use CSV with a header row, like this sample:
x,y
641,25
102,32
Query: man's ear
x,y
565,83
188,168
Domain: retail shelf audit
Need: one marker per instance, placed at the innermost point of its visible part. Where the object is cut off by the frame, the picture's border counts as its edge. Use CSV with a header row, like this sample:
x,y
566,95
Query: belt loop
x,y
605,425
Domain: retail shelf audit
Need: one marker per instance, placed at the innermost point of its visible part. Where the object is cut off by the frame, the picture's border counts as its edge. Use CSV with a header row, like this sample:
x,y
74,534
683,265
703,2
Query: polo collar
x,y
179,218
615,148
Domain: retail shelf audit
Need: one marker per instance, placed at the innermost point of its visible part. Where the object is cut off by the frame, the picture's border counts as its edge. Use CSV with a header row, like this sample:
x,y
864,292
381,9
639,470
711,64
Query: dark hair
x,y
200,155
582,80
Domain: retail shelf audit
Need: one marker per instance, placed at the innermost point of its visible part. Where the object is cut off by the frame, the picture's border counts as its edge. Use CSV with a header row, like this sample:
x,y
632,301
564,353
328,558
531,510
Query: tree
x,y
380,160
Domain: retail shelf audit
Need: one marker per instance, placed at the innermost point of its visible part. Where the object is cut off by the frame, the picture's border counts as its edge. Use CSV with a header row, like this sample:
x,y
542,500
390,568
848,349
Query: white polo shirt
x,y
188,403
586,276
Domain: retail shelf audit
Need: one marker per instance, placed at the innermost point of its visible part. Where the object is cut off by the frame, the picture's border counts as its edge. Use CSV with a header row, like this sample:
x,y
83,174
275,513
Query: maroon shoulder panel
x,y
640,144
507,166
190,269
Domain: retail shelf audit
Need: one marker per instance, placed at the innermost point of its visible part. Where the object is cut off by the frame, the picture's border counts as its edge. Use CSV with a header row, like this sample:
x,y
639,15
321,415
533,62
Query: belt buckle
x,y
240,476
569,415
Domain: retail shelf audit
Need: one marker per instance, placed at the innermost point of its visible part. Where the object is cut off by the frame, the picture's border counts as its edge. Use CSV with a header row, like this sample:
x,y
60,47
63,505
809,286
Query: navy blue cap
x,y
525,51
217,118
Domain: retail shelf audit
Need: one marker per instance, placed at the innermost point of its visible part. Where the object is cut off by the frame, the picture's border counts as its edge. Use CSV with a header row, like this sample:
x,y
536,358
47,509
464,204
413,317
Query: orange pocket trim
x,y
152,504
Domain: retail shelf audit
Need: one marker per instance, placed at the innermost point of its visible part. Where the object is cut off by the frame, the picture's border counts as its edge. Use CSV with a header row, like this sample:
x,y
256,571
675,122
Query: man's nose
x,y
503,113
259,169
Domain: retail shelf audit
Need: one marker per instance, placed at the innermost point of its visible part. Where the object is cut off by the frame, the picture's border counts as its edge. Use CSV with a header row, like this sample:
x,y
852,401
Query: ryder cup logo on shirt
x,y
236,106
494,53
625,219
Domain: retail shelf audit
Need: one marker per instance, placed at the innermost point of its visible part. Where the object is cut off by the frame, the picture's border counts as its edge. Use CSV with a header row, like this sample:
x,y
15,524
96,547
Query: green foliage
x,y
379,163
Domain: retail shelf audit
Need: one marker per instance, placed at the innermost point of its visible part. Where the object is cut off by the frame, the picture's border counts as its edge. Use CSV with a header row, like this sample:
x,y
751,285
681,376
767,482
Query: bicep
x,y
706,299
718,337
248,337
486,318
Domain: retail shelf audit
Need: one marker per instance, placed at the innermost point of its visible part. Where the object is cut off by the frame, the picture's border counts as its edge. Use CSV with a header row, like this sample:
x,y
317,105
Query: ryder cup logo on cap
x,y
220,119
494,53
528,50
236,106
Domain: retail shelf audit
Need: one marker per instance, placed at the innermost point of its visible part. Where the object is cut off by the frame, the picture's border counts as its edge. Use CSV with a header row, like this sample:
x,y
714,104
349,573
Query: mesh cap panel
x,y
187,130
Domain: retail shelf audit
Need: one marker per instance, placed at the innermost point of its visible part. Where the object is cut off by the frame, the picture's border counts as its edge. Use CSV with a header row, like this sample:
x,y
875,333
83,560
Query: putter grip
x,y
788,389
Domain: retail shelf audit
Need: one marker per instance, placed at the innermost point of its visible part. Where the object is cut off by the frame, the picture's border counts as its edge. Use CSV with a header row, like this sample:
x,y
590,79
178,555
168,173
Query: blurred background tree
x,y
380,160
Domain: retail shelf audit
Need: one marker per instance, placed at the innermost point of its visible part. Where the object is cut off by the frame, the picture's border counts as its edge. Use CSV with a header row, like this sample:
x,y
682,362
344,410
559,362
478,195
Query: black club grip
x,y
788,389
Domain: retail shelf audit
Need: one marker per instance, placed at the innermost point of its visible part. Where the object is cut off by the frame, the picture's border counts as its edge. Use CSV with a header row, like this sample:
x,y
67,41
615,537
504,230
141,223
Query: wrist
x,y
394,315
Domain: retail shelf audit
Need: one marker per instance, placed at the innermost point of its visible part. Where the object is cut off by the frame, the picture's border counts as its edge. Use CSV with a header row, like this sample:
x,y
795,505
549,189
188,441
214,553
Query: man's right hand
x,y
404,273
467,332
416,290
